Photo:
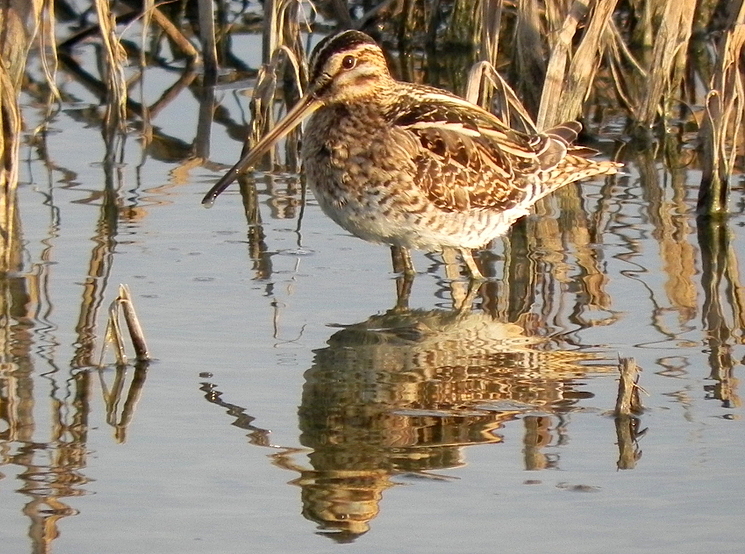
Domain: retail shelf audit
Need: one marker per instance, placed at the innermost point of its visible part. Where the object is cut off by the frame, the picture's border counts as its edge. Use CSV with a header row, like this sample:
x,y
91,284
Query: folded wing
x,y
469,159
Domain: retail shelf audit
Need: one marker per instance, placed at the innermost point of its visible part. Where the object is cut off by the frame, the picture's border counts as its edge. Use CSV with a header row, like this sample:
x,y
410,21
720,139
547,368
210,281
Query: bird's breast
x,y
335,133
355,146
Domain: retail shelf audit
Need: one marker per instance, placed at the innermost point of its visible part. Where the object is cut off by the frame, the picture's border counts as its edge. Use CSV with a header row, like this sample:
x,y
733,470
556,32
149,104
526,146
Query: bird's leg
x,y
473,269
401,258
403,291
404,268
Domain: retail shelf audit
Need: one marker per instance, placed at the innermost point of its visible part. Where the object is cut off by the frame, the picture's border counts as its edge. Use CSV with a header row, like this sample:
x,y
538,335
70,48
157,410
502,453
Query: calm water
x,y
287,410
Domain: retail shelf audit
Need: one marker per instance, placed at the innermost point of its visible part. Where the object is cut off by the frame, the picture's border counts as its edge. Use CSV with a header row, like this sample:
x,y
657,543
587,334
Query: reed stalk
x,y
113,70
628,401
19,23
570,75
284,70
528,69
123,305
668,60
207,35
492,22
721,131
10,129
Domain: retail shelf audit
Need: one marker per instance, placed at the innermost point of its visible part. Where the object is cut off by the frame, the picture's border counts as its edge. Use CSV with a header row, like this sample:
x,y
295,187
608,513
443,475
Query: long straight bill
x,y
305,106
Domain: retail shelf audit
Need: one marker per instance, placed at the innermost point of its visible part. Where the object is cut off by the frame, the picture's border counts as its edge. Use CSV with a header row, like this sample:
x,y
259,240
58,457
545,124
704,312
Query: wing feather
x,y
467,158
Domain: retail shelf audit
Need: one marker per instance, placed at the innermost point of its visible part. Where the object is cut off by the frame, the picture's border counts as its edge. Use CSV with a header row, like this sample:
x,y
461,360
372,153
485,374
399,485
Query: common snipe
x,y
413,166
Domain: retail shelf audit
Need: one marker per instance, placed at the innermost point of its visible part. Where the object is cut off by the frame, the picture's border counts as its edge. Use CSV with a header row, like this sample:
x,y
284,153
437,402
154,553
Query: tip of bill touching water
x,y
224,182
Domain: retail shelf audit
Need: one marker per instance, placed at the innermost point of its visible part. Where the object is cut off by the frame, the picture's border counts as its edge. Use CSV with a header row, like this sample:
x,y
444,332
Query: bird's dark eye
x,y
349,62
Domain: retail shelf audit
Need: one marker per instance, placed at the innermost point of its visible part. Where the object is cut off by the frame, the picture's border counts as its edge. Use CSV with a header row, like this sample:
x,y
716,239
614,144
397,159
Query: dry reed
x,y
123,305
562,58
570,75
113,70
284,63
721,131
19,21
668,59
627,401
10,130
528,67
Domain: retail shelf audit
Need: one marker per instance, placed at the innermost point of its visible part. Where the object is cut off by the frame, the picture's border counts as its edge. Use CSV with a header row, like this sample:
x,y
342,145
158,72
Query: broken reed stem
x,y
628,402
123,305
628,406
113,334
133,324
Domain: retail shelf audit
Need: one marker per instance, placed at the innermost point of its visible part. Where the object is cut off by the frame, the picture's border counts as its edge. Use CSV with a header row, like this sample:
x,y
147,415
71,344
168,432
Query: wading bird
x,y
413,166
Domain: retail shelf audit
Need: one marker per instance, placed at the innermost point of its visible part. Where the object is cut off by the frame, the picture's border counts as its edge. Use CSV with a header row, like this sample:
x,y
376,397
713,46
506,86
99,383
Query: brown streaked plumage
x,y
413,166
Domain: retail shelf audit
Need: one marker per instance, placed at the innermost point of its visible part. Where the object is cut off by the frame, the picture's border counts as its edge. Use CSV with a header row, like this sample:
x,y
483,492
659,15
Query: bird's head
x,y
347,67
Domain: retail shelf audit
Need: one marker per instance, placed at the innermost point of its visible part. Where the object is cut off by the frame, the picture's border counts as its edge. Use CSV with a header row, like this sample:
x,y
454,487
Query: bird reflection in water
x,y
402,393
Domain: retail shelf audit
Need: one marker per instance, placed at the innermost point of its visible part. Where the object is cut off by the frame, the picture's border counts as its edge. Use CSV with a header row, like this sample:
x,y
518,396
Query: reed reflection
x,y
684,243
53,465
51,469
44,417
724,318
